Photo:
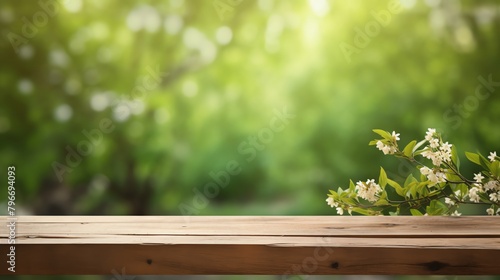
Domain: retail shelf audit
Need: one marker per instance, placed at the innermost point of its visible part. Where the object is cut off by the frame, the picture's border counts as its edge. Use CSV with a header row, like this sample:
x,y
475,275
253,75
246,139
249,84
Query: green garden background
x,y
233,107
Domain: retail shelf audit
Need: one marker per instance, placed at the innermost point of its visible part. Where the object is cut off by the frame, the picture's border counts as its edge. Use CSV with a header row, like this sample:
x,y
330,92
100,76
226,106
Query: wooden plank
x,y
146,245
286,241
263,225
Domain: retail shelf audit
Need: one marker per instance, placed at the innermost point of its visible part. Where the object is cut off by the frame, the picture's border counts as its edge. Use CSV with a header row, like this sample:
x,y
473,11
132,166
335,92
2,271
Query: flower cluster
x,y
391,147
437,151
440,190
435,176
488,189
335,204
368,190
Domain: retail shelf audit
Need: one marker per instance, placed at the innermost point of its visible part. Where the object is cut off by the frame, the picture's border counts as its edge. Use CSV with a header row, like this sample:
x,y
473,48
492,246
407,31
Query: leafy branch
x,y
440,188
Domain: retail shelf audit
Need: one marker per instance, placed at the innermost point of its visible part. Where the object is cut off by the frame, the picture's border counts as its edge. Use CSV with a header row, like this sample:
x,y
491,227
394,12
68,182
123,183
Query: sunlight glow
x,y
320,7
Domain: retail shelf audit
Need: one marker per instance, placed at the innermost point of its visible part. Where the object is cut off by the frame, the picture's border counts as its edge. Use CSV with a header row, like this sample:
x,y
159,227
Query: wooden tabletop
x,y
278,245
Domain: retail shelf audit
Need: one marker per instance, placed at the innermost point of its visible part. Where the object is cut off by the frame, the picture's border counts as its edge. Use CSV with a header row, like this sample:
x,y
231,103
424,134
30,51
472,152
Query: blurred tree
x,y
179,89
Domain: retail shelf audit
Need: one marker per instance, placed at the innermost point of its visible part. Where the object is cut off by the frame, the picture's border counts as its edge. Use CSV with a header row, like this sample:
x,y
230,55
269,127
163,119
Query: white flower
x,y
427,153
437,157
479,186
368,190
441,176
430,134
395,136
386,149
437,161
330,202
478,177
425,170
340,211
492,185
429,173
448,201
446,147
473,196
434,143
445,156
380,145
492,156
456,213
495,196
490,211
434,177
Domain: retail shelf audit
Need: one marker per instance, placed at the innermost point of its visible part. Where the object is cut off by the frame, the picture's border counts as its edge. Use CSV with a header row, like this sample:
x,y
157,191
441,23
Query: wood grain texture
x,y
279,245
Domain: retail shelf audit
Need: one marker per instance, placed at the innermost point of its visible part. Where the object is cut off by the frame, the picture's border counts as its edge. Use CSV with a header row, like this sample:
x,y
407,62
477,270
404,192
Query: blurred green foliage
x,y
219,76
67,67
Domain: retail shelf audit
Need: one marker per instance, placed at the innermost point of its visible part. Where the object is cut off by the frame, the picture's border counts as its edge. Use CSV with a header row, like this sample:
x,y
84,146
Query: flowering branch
x,y
440,188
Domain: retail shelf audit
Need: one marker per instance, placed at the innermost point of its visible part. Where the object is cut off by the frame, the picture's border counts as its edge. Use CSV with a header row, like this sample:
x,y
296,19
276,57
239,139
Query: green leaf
x,y
397,187
415,212
373,142
473,157
454,157
349,201
361,211
430,209
424,190
385,134
381,202
495,168
423,178
343,194
409,179
419,189
436,207
411,189
484,162
352,187
453,177
353,195
382,179
383,195
419,152
464,189
340,191
408,150
441,206
418,145
423,184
